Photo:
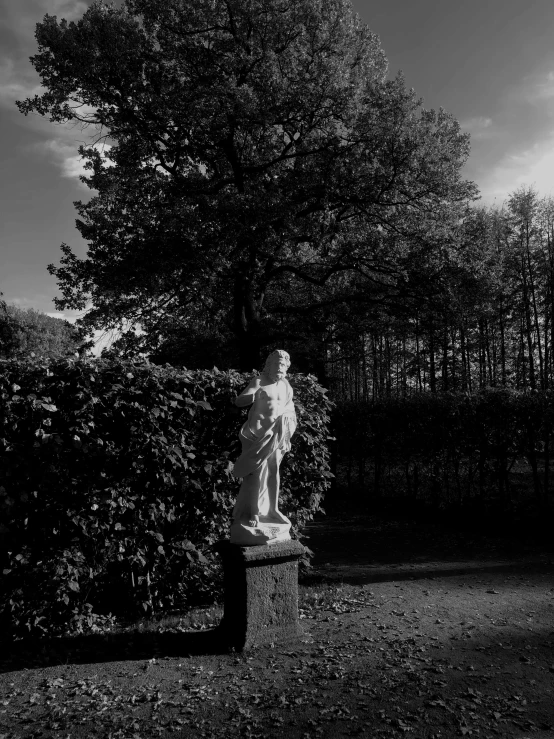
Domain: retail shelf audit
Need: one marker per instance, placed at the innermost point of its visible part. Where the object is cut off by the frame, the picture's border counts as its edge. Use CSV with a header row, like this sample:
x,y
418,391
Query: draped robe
x,y
256,451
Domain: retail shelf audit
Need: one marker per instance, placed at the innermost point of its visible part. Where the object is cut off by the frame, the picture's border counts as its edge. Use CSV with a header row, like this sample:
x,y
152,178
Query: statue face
x,y
277,366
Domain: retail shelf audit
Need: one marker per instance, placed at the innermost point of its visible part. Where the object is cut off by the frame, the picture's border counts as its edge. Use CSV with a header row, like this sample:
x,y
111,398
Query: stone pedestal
x,y
261,593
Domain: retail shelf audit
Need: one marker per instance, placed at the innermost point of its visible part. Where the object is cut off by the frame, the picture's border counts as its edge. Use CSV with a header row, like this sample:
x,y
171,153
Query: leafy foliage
x,y
115,481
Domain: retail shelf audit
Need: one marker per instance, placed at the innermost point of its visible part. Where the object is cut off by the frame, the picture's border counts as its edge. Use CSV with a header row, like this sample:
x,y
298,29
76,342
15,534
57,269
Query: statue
x,y
265,437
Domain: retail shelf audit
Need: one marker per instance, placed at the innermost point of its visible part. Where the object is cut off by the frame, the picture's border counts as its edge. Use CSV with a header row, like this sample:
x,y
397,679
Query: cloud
x,y
67,315
479,127
22,16
537,88
15,85
68,9
70,163
26,303
66,157
102,339
514,146
532,97
478,123
533,166
18,79
63,317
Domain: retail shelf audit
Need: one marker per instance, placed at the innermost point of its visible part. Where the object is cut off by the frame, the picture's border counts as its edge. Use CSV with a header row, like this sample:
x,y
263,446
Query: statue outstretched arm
x,y
248,394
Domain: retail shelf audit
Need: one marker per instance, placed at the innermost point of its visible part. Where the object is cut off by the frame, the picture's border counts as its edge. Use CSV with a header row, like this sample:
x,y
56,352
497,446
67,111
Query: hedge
x,y
448,448
115,482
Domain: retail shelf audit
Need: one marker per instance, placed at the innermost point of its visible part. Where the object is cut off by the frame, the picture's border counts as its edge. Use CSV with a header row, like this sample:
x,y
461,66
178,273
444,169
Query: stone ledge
x,y
279,550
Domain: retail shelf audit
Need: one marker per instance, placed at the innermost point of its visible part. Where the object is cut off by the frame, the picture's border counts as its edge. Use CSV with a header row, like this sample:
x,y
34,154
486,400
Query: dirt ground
x,y
407,630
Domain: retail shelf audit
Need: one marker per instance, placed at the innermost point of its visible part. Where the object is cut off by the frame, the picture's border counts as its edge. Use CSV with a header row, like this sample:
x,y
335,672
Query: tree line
x,y
489,324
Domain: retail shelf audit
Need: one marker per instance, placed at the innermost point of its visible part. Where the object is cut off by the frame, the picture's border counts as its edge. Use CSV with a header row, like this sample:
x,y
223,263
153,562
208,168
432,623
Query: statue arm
x,y
247,395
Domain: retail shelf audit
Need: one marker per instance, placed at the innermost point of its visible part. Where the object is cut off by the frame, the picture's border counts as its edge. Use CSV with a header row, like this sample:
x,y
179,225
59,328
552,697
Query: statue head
x,y
277,364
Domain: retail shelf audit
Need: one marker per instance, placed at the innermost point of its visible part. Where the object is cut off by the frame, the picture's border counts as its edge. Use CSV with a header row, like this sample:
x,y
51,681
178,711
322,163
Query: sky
x,y
488,62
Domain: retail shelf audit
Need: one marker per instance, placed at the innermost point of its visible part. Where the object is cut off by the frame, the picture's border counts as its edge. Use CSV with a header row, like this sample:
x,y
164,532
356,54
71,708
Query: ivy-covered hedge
x,y
447,448
115,482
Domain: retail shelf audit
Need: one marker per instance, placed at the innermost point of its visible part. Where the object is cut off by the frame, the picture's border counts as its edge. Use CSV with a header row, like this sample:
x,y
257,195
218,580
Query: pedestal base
x,y
261,593
262,533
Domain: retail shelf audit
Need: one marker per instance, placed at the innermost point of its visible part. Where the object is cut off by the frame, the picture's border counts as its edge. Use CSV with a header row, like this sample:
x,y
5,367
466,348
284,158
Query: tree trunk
x,y
418,358
487,348
535,309
444,368
246,326
432,376
482,358
465,360
502,345
528,325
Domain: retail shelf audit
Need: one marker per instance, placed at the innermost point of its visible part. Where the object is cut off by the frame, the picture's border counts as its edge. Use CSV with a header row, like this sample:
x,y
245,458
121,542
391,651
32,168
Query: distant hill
x,y
30,332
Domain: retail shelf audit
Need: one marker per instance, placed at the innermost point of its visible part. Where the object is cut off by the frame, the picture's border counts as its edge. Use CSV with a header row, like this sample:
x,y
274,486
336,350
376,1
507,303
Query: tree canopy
x,y
252,163
30,332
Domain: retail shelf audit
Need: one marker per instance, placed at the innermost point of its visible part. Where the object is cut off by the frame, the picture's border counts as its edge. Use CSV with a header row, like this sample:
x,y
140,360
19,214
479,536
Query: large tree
x,y
256,157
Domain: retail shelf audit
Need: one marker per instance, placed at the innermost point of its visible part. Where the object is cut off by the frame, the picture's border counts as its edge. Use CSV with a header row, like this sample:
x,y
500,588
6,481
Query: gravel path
x,y
406,644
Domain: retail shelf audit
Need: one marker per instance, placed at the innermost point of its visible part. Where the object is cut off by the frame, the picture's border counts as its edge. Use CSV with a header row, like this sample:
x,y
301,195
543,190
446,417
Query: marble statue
x,y
265,437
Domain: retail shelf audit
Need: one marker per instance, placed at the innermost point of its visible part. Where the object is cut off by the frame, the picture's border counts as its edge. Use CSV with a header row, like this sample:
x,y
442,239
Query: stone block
x,y
261,593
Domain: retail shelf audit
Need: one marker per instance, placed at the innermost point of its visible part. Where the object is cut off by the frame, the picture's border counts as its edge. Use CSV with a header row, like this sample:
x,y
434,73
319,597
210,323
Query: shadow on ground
x,y
96,648
360,574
